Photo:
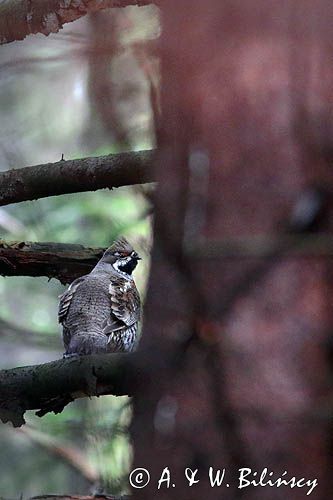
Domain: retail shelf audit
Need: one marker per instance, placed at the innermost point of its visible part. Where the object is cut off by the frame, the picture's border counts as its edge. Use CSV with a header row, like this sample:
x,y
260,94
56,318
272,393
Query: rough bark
x,y
246,129
51,386
20,18
76,176
62,261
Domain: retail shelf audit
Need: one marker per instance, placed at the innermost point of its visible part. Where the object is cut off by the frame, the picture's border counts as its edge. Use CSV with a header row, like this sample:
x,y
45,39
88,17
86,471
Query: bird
x,y
100,312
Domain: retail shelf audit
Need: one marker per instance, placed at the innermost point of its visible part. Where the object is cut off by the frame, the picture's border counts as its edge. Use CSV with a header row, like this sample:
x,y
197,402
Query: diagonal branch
x,y
51,386
70,454
20,18
62,261
74,176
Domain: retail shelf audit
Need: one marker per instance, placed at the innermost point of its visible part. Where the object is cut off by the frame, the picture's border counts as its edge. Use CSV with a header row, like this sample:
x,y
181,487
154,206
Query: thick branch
x,y
74,176
19,18
54,260
51,386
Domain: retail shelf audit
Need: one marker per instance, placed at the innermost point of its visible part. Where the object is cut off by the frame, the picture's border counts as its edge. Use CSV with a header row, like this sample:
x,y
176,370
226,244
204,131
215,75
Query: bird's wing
x,y
125,303
66,297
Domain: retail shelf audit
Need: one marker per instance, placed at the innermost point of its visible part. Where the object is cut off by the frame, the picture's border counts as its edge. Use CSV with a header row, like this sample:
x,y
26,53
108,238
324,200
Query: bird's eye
x,y
120,254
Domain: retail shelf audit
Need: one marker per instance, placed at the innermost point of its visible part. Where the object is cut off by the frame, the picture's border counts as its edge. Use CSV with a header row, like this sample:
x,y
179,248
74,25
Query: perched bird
x,y
100,311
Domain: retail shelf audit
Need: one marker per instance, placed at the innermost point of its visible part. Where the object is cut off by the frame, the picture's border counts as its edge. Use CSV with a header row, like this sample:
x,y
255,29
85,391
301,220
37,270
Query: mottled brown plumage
x,y
100,311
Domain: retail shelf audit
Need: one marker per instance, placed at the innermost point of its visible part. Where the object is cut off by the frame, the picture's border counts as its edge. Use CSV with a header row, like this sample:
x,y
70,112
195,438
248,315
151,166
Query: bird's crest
x,y
120,245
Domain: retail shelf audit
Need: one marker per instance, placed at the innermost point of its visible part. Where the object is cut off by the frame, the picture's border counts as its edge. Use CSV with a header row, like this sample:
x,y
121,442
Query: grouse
x,y
100,311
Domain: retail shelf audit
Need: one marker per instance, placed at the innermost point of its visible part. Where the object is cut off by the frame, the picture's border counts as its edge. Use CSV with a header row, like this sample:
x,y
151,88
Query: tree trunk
x,y
237,347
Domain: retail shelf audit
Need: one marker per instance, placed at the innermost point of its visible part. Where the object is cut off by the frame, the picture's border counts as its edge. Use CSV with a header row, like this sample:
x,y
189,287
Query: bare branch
x,y
74,176
64,262
20,18
51,386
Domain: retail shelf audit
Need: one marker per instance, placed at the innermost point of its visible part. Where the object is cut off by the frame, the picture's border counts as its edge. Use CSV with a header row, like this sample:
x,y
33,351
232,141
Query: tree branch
x,y
73,456
51,386
65,262
74,176
80,497
20,18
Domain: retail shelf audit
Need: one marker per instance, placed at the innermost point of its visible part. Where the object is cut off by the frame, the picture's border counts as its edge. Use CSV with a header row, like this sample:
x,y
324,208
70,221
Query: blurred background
x,y
90,90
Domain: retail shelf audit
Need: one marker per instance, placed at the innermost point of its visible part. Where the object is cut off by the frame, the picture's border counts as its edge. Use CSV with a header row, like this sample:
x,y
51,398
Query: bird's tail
x,y
86,343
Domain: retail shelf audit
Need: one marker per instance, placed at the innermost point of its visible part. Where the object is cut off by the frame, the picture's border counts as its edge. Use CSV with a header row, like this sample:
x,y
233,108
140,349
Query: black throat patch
x,y
129,267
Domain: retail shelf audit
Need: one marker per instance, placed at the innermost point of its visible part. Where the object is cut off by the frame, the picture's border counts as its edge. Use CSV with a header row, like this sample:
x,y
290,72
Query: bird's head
x,y
121,256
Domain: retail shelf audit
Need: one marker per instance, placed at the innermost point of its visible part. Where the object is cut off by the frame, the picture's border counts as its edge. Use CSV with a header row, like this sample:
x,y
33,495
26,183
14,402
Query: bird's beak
x,y
134,255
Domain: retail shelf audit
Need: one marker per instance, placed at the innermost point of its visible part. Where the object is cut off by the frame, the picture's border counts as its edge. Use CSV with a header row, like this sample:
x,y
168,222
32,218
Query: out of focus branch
x,y
64,262
74,176
14,333
70,454
80,497
311,245
20,18
51,386
104,123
